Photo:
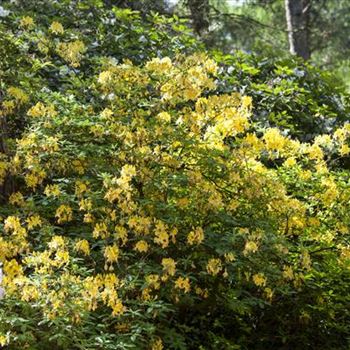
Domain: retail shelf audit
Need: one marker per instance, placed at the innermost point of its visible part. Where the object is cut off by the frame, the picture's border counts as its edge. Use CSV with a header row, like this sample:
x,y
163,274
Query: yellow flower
x,y
169,266
85,204
214,266
117,307
26,21
20,96
111,253
35,178
64,213
3,340
289,162
288,272
158,65
157,345
105,77
305,260
153,281
78,166
274,141
72,52
30,293
164,117
268,293
128,171
57,242
82,246
12,269
36,111
141,246
250,247
12,223
34,221
106,113
161,236
247,102
183,283
88,218
56,28
259,279
315,152
80,187
196,236
229,257
52,191
100,230
344,150
16,198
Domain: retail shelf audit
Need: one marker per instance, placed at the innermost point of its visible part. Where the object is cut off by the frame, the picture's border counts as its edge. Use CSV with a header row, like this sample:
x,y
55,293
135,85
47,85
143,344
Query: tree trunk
x,y
200,15
297,16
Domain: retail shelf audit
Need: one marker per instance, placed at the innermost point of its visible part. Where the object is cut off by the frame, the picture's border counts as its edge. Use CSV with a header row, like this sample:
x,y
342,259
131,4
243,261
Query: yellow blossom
x,y
111,253
250,247
82,246
117,307
153,281
169,266
214,266
141,246
85,204
72,52
159,65
20,96
344,150
274,141
80,188
33,221
100,230
161,236
12,223
288,272
164,117
259,279
196,236
183,283
30,292
268,293
289,162
157,345
3,340
64,213
229,257
315,152
56,28
16,198
26,22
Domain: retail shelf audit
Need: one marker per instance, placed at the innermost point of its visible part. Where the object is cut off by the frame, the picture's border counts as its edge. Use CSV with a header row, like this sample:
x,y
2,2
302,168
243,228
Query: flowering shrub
x,y
155,206
148,210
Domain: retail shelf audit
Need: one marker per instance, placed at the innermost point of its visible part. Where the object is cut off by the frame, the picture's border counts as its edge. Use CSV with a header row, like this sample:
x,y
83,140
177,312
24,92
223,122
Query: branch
x,y
244,18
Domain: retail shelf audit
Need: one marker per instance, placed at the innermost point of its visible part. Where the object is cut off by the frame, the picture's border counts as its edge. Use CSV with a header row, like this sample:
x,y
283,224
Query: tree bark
x,y
200,15
297,16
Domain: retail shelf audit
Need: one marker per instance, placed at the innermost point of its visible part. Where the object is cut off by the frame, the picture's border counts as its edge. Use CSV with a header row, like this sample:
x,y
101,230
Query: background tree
x,y
297,16
321,31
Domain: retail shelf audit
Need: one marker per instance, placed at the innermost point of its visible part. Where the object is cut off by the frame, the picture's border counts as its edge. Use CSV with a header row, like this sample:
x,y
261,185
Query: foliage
x,y
297,97
152,205
259,26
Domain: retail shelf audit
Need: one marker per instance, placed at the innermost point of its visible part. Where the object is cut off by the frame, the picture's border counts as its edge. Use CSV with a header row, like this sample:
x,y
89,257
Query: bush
x,y
146,205
293,95
153,216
